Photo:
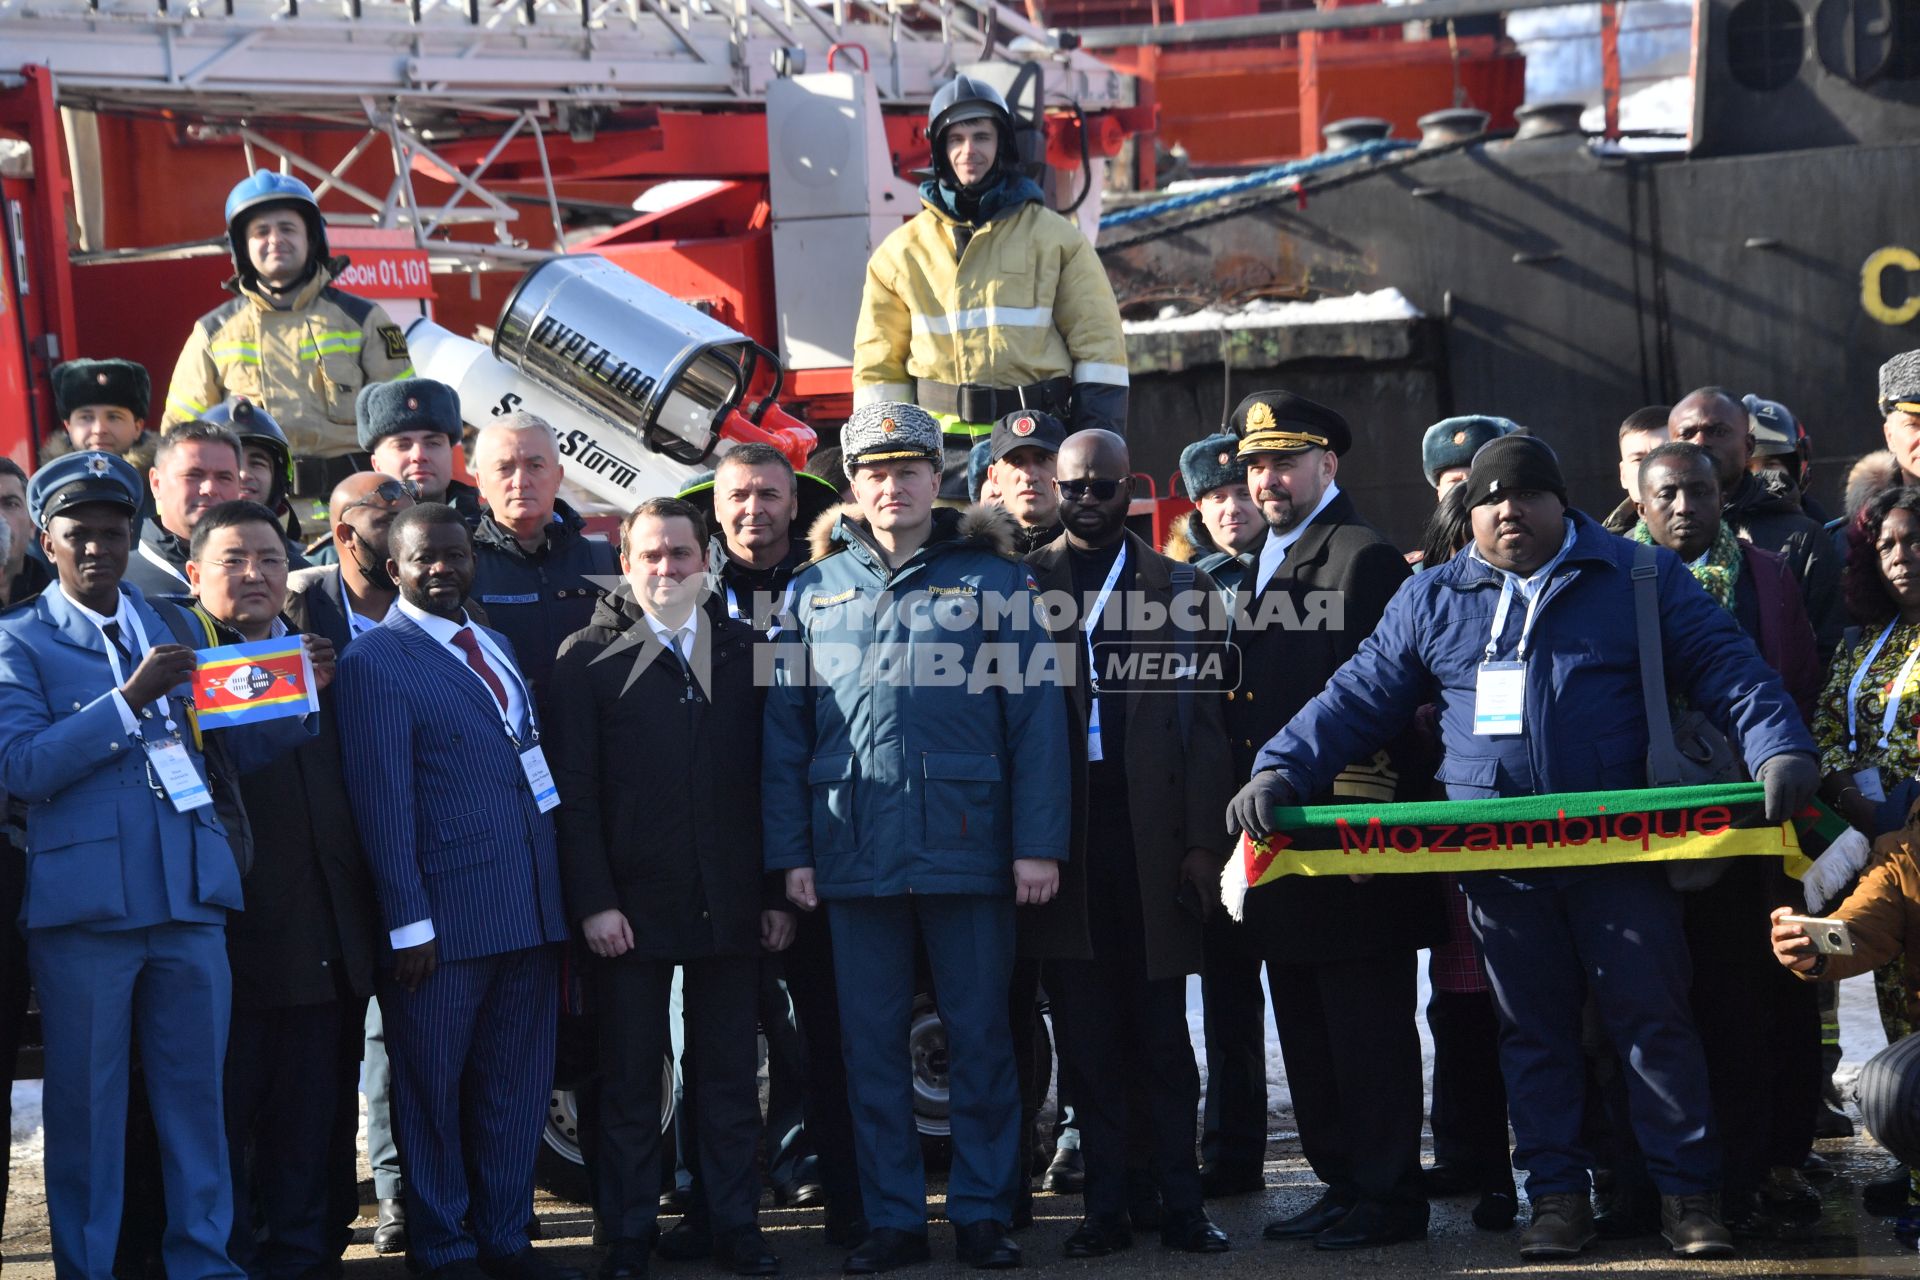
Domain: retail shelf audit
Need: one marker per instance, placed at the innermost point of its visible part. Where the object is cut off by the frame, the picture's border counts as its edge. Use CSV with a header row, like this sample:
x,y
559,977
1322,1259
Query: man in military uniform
x,y
411,429
987,301
289,340
102,403
917,808
1021,456
1343,990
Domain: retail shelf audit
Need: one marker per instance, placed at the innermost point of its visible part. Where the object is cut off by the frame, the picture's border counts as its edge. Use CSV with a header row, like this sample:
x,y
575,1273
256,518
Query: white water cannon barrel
x,y
646,362
600,458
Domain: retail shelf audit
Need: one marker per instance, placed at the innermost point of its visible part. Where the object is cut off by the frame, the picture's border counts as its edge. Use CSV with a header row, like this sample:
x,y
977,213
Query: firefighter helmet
x,y
254,425
967,98
264,190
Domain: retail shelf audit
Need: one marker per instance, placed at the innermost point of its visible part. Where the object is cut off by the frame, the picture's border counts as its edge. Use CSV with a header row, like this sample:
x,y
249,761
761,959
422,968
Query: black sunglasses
x,y
386,491
1077,490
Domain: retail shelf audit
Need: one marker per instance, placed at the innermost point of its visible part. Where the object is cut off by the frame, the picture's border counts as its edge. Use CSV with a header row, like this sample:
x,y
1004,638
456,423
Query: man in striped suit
x,y
451,793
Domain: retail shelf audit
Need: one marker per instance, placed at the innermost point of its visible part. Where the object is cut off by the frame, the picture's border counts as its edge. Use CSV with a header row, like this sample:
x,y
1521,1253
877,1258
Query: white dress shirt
x,y
443,631
683,634
1273,552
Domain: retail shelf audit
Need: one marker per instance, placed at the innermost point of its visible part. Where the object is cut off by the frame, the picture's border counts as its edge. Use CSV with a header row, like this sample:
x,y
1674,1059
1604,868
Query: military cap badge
x,y
1260,418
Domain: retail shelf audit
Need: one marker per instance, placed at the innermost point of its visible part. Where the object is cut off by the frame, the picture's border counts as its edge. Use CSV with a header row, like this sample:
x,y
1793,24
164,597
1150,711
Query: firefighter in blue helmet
x,y
289,340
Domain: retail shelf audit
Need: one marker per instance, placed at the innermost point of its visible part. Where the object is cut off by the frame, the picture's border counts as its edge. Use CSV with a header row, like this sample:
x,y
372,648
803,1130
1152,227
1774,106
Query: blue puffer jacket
x,y
1586,723
882,771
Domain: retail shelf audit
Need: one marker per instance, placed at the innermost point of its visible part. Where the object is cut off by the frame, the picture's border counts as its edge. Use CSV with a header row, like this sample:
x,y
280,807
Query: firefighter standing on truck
x,y
289,341
987,301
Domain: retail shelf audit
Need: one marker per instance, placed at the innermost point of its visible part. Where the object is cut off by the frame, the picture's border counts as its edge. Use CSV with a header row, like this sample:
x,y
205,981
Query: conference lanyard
x,y
170,768
147,552
1894,694
735,612
162,707
1092,624
1533,603
533,760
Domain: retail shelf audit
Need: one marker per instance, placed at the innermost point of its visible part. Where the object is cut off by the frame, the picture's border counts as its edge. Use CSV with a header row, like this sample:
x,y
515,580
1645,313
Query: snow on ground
x,y
1263,313
1860,1034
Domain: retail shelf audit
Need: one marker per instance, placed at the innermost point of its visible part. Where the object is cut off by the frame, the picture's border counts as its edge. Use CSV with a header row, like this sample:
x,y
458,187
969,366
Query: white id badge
x,y
1093,732
173,764
1868,780
1500,699
540,778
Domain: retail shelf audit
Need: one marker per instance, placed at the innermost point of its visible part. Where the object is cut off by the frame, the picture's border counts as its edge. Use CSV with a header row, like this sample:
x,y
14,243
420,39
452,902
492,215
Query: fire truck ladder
x,y
408,72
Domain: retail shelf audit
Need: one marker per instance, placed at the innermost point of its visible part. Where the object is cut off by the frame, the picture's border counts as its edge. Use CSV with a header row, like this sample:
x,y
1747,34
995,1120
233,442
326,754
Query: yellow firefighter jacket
x,y
304,365
1025,302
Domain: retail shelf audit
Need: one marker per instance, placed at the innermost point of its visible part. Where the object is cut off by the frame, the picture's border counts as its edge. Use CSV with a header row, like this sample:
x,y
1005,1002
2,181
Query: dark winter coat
x,y
659,784
1334,585
1176,792
1587,727
539,598
889,784
1765,510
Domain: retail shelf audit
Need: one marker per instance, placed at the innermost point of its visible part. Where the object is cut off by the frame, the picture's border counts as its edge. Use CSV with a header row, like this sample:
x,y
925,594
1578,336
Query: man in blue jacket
x,y
915,780
129,873
1536,621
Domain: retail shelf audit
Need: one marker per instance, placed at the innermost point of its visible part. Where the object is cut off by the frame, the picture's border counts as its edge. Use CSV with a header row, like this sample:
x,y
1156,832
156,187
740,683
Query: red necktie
x,y
469,644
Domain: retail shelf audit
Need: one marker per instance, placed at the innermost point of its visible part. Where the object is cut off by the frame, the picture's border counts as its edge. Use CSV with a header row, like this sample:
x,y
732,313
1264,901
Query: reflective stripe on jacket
x,y
1026,301
305,365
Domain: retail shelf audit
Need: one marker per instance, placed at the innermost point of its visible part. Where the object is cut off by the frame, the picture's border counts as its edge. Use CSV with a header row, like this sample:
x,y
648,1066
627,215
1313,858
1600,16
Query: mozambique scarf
x,y
1721,568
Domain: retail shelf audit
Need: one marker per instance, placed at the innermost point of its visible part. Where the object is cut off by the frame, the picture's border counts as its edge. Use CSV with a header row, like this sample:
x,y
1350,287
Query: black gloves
x,y
1252,809
1790,779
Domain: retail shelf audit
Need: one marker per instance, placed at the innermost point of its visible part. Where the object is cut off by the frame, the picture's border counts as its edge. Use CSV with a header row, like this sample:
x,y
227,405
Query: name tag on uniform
x,y
539,778
1500,699
1868,780
172,763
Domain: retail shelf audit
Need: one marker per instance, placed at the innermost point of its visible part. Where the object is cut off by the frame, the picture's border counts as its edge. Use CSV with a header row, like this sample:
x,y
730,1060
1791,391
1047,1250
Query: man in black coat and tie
x,y
667,871
1340,955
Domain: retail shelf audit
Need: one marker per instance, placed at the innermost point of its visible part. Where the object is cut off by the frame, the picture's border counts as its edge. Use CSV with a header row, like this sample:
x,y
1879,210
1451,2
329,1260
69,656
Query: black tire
x,y
558,1167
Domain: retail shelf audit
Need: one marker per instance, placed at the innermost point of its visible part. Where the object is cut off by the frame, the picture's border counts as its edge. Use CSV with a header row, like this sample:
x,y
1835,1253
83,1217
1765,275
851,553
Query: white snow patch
x,y
1263,313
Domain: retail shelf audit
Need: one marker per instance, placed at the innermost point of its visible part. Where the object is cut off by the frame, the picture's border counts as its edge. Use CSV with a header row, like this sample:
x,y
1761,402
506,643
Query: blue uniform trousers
x,y
472,1054
1550,936
969,942
170,985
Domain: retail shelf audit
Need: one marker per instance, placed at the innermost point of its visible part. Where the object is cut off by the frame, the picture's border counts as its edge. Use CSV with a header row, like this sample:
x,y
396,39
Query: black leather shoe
x,y
688,1241
885,1250
798,1195
390,1233
625,1260
528,1265
1067,1175
1496,1209
1317,1217
985,1246
1098,1237
1231,1178
1192,1231
1370,1225
744,1252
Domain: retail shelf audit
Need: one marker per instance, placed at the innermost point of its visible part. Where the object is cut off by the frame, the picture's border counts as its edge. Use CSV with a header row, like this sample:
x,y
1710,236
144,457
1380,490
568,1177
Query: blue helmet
x,y
254,425
267,189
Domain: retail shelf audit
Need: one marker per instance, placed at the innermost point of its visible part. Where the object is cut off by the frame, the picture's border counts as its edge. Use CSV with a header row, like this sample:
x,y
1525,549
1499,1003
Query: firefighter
x,y
266,465
288,340
987,302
